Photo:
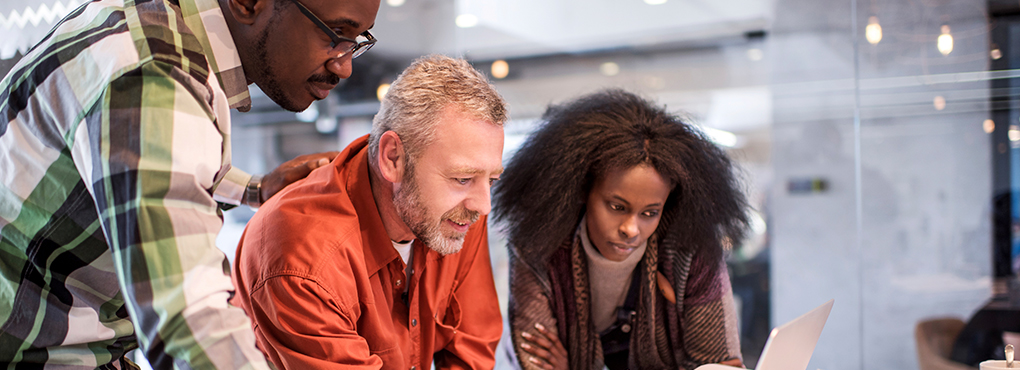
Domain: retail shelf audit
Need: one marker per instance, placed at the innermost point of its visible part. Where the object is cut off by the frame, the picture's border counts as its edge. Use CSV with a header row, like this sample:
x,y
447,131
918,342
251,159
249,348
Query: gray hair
x,y
412,106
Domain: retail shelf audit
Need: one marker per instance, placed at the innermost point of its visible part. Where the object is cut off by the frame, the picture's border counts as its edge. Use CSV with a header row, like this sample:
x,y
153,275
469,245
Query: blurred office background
x,y
879,140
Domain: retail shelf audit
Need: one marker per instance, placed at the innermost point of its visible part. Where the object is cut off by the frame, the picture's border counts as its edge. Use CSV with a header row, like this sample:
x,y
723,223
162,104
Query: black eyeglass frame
x,y
356,48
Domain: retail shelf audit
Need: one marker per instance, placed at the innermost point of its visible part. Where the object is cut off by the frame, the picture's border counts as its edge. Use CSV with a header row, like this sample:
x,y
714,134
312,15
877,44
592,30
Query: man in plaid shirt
x,y
115,161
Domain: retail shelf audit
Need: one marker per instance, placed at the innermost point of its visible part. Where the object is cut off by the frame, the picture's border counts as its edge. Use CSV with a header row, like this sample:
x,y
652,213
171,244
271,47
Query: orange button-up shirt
x,y
322,282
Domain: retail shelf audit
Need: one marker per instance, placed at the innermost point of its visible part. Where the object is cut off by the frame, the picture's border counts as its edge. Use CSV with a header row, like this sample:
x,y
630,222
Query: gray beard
x,y
409,207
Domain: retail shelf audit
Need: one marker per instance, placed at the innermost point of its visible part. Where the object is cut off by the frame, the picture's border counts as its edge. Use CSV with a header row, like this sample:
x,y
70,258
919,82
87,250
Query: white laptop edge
x,y
790,345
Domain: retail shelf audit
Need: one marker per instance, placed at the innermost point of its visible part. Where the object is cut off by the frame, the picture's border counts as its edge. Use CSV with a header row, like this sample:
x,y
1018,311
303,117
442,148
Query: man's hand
x,y
545,348
293,170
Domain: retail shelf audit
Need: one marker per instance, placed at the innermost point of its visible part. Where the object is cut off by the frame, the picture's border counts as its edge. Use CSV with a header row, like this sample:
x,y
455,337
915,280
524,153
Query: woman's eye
x,y
651,213
616,207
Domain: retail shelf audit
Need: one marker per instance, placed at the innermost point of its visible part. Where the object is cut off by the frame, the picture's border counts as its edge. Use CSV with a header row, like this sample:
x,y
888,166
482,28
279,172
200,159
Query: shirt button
x,y
399,282
414,322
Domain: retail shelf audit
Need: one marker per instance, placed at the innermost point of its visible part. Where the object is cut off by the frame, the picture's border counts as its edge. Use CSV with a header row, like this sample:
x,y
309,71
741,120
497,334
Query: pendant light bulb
x,y
873,32
945,42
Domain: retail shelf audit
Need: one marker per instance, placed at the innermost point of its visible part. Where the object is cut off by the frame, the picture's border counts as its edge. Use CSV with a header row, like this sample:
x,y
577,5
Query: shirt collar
x,y
205,18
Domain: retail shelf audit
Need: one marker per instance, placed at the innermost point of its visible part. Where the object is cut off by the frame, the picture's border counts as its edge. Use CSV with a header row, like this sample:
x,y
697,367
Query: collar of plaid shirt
x,y
206,18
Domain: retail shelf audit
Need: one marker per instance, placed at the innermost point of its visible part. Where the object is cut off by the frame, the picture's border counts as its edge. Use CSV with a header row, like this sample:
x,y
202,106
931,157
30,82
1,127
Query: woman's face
x,y
624,208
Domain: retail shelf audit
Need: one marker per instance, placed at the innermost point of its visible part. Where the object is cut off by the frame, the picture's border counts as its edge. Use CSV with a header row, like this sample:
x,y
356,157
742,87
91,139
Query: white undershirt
x,y
405,250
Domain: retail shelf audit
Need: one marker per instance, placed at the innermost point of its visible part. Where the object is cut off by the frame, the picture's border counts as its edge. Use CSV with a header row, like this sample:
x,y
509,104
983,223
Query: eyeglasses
x,y
340,45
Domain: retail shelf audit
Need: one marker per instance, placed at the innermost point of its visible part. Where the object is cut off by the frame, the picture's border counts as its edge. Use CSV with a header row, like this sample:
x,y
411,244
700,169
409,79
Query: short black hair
x,y
542,194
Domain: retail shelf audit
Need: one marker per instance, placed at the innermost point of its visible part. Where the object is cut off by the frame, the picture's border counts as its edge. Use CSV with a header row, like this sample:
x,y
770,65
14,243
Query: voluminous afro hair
x,y
541,196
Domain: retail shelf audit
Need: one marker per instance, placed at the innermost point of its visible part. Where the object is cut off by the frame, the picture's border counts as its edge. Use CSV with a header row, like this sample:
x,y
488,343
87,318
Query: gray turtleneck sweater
x,y
609,280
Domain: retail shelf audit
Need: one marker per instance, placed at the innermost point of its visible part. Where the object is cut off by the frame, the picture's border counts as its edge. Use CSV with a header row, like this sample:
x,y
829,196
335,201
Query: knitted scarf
x,y
658,336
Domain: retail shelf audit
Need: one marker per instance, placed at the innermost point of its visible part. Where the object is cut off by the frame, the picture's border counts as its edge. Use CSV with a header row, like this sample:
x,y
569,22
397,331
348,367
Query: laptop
x,y
789,346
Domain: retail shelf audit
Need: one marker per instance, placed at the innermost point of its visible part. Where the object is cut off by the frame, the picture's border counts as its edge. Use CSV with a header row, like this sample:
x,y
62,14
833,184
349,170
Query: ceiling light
x,y
381,91
609,69
873,32
467,20
939,103
945,42
720,137
1014,133
655,2
996,54
656,83
755,54
989,126
395,3
500,69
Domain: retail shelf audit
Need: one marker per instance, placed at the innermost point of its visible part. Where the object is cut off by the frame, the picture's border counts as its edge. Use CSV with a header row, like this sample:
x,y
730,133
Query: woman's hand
x,y
545,348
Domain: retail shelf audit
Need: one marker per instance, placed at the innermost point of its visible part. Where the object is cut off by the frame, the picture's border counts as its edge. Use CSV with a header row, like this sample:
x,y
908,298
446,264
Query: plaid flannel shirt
x,y
114,150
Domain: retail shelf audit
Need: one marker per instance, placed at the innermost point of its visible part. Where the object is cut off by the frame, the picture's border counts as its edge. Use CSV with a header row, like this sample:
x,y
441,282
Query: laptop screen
x,y
790,346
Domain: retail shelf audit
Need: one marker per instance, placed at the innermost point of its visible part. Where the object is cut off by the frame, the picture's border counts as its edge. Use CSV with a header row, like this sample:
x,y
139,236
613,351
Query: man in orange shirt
x,y
380,259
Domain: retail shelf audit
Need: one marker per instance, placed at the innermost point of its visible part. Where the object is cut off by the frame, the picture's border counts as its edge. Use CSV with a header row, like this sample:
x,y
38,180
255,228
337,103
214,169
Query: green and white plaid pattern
x,y
114,151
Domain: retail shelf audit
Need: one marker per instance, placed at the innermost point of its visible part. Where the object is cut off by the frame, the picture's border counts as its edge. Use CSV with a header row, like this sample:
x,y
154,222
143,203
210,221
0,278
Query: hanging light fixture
x,y
381,91
609,69
500,69
939,102
873,32
945,42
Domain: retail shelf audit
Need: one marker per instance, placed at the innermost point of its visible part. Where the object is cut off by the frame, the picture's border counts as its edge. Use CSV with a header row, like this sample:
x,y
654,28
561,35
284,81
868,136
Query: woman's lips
x,y
623,248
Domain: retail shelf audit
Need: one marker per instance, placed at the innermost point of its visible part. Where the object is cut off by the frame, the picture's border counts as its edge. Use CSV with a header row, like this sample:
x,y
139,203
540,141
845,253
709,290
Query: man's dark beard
x,y
263,72
268,81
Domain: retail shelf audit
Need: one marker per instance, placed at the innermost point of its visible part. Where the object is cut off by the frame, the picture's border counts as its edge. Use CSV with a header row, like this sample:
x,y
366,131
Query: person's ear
x,y
247,11
391,157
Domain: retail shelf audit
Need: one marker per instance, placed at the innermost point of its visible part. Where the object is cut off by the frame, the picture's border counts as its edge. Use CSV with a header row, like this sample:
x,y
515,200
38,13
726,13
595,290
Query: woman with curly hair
x,y
617,214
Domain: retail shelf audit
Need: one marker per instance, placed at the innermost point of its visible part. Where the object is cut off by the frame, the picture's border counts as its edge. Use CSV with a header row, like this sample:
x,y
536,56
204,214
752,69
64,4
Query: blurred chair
x,y
935,339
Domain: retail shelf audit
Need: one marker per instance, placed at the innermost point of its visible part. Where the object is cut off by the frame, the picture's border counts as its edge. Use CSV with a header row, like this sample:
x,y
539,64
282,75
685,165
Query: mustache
x,y
327,78
461,214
